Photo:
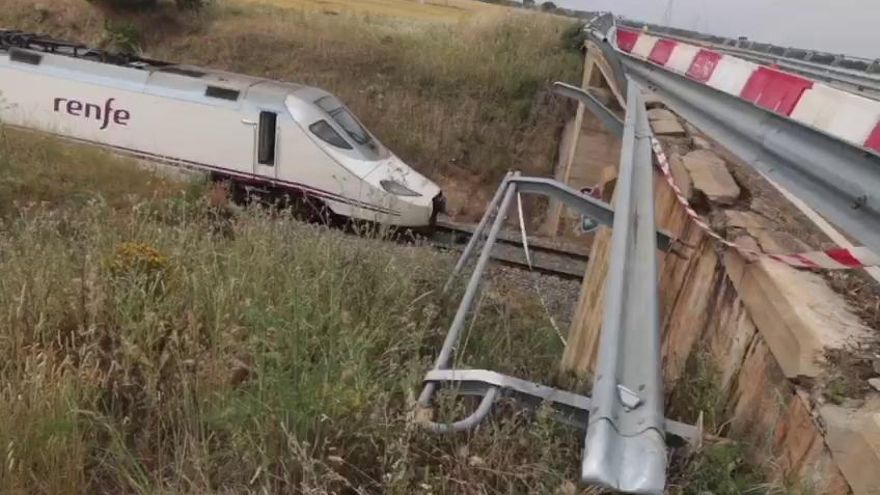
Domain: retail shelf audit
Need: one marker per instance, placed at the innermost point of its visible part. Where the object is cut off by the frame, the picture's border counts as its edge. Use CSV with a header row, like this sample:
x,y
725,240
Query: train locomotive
x,y
257,133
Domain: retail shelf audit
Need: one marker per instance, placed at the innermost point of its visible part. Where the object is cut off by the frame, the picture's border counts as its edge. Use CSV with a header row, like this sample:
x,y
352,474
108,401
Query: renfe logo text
x,y
105,115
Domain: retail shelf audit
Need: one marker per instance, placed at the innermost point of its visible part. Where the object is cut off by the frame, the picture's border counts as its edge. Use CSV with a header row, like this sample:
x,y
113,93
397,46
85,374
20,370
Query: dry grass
x,y
145,350
69,175
430,10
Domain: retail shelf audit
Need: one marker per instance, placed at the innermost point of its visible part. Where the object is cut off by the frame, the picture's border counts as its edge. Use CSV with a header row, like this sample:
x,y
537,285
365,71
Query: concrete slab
x,y
853,435
668,128
680,175
661,114
796,312
665,123
710,175
701,143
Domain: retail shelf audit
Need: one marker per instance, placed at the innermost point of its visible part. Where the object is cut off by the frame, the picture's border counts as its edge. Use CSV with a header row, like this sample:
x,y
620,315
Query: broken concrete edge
x,y
853,437
798,313
799,317
710,175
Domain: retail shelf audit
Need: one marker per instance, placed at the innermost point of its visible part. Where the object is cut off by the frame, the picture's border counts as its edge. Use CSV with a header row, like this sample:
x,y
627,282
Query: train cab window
x,y
350,124
329,135
268,129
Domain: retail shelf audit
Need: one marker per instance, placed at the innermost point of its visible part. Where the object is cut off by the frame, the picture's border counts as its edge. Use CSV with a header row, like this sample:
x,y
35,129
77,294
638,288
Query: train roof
x,y
180,81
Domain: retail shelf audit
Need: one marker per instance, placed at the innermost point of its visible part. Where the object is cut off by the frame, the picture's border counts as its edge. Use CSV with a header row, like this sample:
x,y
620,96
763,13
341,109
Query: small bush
x,y
574,37
124,38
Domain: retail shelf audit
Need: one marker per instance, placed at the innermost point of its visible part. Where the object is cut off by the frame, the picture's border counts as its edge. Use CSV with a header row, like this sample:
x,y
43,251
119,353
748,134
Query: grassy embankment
x,y
146,350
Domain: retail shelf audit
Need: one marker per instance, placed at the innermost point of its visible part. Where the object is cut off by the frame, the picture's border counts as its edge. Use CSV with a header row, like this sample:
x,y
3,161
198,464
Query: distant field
x,y
442,10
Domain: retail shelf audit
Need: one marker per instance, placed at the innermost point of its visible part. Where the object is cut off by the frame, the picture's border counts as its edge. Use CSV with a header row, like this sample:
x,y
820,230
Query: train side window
x,y
329,135
266,149
25,57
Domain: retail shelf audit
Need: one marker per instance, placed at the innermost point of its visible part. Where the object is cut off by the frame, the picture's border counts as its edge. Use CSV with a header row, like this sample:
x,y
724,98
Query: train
x,y
271,137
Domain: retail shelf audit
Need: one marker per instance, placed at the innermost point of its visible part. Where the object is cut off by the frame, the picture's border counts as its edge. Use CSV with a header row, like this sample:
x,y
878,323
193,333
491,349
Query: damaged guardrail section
x,y
624,447
625,426
753,112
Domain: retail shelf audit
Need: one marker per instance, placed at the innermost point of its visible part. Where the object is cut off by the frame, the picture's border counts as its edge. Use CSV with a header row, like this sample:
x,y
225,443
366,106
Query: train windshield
x,y
350,124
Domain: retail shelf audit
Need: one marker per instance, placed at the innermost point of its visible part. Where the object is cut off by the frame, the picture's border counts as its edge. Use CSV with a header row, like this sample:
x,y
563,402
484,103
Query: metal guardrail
x,y
839,180
856,74
608,118
865,84
625,426
624,446
859,64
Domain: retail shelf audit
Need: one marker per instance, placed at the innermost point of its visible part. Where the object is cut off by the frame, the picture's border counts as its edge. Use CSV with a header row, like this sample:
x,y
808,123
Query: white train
x,y
276,137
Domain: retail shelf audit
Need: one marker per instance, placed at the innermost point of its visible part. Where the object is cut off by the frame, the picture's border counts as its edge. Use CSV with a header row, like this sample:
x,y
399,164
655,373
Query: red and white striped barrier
x,y
844,115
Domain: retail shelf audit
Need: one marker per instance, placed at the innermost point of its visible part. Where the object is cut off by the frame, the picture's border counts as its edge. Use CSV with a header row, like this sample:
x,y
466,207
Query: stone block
x,y
798,315
853,436
709,174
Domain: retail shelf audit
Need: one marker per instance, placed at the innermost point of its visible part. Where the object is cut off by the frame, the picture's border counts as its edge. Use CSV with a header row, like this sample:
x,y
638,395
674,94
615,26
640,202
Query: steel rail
x,y
509,251
625,442
608,118
839,180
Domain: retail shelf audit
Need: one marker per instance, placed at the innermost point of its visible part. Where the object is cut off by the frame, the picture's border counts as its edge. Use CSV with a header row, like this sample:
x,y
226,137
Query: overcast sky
x,y
851,27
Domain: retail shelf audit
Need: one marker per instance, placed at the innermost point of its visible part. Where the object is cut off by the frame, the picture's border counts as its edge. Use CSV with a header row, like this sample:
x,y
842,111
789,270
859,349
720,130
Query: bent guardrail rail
x,y
624,446
635,405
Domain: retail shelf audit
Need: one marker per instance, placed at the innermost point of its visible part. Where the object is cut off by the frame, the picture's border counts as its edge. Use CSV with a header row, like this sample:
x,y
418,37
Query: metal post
x,y
470,292
478,232
608,118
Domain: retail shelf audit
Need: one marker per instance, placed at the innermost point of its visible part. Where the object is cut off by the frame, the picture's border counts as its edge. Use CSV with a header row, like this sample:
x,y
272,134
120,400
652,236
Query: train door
x,y
266,145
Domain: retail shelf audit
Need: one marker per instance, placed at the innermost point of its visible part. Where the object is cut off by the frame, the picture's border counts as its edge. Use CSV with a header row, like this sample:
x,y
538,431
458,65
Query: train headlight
x,y
397,189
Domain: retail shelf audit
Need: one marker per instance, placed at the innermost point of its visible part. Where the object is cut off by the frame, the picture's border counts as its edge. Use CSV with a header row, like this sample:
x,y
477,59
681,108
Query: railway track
x,y
549,258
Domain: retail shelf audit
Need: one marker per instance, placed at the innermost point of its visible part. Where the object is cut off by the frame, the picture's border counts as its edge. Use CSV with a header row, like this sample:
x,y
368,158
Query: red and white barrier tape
x,y
831,259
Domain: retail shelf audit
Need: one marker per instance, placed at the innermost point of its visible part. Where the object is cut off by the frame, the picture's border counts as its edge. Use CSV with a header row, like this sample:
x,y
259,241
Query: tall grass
x,y
67,175
145,350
